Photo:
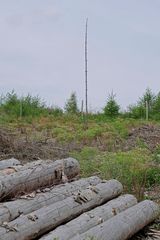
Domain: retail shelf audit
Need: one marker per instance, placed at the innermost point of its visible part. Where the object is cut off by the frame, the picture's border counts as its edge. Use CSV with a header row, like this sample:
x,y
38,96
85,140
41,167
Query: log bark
x,y
33,225
7,163
91,219
46,174
20,167
125,224
34,201
29,165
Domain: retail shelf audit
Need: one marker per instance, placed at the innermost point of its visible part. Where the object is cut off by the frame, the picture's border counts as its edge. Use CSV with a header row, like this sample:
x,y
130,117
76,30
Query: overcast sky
x,y
42,49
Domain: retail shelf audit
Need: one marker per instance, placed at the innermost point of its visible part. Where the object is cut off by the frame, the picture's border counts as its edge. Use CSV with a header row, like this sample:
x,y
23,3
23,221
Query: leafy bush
x,y
32,106
88,163
55,111
15,106
11,104
153,176
157,155
91,132
136,111
131,168
139,110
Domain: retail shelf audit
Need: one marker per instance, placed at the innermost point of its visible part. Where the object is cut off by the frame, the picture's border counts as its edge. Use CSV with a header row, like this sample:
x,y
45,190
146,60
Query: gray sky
x,y
42,48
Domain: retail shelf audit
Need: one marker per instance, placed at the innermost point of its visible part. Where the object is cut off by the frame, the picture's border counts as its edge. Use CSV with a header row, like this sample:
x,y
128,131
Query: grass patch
x,y
132,168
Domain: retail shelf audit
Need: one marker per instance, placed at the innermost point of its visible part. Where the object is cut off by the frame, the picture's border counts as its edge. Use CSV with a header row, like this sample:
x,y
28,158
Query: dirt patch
x,y
146,135
19,144
153,194
14,144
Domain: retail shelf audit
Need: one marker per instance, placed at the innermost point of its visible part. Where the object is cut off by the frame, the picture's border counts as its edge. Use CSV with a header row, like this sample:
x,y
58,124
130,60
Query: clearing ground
x,y
128,147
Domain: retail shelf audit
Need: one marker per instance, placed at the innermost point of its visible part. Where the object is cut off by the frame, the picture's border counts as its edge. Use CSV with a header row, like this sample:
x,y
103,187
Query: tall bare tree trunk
x,y
86,74
86,65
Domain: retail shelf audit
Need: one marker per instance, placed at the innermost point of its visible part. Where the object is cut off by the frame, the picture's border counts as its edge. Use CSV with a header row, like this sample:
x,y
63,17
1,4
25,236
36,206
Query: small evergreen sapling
x,y
112,108
71,106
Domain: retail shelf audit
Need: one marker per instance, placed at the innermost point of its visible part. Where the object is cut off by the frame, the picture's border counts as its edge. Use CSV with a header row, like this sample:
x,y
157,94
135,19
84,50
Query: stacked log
x,y
46,173
89,208
91,219
7,163
34,201
20,167
125,224
47,218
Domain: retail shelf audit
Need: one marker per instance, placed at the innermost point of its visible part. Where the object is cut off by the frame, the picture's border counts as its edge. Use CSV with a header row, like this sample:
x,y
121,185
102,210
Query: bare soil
x,y
20,146
147,135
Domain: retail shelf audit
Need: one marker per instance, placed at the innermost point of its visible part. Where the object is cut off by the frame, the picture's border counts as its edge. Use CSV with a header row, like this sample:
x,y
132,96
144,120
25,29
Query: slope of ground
x,y
128,150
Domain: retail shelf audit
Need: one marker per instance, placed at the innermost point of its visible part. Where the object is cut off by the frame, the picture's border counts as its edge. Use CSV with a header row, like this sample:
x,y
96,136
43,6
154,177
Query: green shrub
x,y
157,155
15,106
55,111
92,132
87,159
136,111
132,168
153,176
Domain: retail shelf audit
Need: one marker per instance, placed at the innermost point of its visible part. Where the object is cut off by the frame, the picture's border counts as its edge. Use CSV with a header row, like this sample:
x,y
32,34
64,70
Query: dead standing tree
x,y
86,75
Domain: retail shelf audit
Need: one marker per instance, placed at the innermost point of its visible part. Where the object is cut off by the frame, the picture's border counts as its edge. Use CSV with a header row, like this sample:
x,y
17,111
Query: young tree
x,y
112,108
146,106
11,103
71,106
149,97
156,107
136,111
147,101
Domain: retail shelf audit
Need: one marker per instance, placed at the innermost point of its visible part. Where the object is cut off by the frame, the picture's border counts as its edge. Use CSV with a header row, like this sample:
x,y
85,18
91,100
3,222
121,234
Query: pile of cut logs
x,y
45,200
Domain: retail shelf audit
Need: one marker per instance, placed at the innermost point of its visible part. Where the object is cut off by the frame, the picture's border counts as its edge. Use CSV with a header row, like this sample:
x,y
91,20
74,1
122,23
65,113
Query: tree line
x,y
147,107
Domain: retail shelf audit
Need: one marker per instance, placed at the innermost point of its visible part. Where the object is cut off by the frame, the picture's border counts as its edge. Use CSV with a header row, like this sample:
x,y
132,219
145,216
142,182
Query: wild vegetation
x,y
121,145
